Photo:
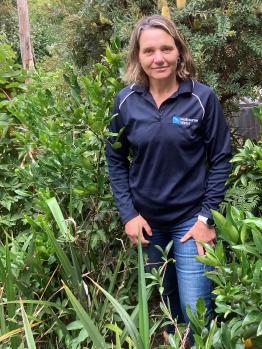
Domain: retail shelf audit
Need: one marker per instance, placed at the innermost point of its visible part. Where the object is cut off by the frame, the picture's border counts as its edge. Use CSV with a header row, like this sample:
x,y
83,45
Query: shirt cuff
x,y
127,218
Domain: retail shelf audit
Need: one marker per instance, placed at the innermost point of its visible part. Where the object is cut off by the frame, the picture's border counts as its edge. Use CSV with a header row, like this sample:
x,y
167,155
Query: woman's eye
x,y
167,49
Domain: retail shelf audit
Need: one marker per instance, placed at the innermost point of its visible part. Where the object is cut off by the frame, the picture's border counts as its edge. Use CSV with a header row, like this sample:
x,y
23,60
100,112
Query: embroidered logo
x,y
178,120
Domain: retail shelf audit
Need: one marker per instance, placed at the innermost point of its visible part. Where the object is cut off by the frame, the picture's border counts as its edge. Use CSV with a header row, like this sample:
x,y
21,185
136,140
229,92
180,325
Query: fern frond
x,y
246,198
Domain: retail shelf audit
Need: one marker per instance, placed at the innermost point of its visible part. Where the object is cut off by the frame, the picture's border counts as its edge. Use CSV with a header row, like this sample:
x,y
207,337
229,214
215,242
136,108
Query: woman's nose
x,y
158,57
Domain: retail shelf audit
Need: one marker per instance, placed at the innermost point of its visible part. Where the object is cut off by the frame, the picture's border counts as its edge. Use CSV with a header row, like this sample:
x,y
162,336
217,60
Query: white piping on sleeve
x,y
200,104
193,83
120,105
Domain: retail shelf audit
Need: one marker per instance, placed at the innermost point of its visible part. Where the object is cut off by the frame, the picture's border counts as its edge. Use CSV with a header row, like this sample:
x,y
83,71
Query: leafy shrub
x,y
9,23
245,182
53,144
11,83
219,34
237,279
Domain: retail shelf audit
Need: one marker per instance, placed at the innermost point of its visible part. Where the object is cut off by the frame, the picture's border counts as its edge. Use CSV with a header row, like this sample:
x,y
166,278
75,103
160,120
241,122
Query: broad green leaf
x,y
257,237
226,230
10,287
116,145
3,324
142,298
247,248
207,260
196,325
65,262
28,332
118,333
129,323
254,221
253,317
37,302
75,325
87,322
212,330
59,218
243,233
259,329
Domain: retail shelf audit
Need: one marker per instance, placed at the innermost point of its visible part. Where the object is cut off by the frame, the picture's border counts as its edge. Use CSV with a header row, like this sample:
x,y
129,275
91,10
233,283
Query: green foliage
x,y
247,197
245,182
138,337
58,143
9,23
41,309
46,18
11,83
95,24
53,144
223,36
11,75
237,279
28,332
202,334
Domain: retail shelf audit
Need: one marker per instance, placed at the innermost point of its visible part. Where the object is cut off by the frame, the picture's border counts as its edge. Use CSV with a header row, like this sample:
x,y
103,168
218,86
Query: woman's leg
x,y
154,260
192,282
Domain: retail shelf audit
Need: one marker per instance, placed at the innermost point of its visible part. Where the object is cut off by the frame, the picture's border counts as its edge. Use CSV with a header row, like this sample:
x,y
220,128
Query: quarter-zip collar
x,y
185,87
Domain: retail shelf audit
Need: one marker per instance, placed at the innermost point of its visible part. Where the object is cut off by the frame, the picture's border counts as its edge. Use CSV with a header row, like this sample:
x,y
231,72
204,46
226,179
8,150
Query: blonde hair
x,y
134,71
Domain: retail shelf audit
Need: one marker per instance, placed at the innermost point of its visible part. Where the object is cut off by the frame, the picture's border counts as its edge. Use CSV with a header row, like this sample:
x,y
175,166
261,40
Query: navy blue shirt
x,y
174,160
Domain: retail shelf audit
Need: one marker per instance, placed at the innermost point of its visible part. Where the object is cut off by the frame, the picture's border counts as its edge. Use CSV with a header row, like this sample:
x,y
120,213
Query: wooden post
x,y
24,34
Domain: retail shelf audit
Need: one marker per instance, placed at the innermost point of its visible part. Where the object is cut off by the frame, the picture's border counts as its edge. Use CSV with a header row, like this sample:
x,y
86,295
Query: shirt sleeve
x,y
218,153
118,167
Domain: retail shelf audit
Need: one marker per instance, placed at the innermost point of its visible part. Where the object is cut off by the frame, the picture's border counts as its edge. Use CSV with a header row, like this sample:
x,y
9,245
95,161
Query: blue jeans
x,y
184,281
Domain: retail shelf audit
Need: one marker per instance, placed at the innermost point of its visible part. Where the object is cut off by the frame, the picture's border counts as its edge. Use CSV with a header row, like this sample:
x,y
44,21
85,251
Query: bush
x,y
245,182
52,144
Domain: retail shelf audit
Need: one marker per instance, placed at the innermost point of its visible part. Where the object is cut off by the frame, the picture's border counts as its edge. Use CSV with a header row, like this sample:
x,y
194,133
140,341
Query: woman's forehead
x,y
151,35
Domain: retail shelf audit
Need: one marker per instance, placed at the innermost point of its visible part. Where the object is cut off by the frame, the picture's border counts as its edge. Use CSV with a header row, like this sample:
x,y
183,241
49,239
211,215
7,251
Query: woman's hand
x,y
136,226
202,233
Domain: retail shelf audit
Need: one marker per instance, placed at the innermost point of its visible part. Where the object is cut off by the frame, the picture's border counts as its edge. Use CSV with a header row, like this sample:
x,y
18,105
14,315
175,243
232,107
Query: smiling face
x,y
158,55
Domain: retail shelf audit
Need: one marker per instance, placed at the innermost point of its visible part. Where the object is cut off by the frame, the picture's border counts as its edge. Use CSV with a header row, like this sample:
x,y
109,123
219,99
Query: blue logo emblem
x,y
176,119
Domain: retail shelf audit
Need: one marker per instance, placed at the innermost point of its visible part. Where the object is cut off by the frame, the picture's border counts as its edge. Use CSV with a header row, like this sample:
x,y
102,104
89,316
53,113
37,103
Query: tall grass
x,y
139,338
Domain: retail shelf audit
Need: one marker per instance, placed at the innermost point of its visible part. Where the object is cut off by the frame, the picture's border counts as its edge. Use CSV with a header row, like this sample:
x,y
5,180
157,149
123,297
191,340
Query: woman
x,y
176,132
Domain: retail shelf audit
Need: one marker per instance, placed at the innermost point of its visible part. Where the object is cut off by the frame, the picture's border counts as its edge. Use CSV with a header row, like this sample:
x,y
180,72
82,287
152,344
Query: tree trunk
x,y
24,34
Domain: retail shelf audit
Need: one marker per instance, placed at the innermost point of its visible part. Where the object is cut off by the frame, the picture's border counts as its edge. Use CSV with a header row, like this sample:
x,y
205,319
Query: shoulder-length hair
x,y
134,71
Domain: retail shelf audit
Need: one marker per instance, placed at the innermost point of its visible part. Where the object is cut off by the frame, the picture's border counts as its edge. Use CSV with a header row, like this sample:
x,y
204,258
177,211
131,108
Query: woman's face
x,y
158,55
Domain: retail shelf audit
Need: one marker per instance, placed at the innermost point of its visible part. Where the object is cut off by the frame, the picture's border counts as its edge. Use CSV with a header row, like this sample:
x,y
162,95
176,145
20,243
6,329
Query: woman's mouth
x,y
160,68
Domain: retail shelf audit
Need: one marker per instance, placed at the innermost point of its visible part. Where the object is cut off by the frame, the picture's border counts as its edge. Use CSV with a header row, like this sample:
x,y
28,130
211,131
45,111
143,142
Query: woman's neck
x,y
161,90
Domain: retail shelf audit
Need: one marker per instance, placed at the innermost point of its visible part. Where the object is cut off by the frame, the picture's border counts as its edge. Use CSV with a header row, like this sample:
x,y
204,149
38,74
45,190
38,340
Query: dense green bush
x,y
9,23
11,83
245,182
237,276
46,19
224,38
52,144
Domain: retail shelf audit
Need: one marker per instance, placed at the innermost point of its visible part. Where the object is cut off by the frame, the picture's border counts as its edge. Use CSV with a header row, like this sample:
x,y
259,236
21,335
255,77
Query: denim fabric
x,y
184,281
